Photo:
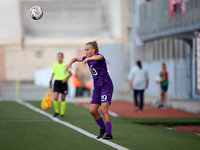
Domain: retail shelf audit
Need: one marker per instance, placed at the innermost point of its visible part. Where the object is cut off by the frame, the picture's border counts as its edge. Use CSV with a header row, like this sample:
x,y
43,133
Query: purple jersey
x,y
99,71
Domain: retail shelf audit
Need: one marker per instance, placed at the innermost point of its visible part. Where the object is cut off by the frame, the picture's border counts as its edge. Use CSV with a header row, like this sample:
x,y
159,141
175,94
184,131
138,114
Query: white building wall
x,y
10,26
26,62
115,16
20,50
154,69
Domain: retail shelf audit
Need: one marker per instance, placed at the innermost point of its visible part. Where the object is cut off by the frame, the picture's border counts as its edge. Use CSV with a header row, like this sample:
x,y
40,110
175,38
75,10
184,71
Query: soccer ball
x,y
36,12
158,78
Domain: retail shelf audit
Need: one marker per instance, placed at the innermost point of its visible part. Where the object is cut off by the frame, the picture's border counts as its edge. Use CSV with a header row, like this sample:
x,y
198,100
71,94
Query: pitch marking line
x,y
24,120
71,126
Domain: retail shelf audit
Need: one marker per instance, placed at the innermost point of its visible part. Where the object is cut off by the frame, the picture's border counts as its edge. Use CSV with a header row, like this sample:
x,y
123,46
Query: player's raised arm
x,y
69,65
95,57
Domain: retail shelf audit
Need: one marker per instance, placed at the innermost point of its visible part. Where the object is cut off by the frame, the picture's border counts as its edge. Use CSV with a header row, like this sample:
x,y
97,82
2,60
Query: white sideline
x,y
71,126
113,114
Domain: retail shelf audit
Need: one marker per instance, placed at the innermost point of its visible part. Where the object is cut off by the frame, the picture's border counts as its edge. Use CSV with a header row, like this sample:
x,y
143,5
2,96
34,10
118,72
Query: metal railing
x,y
154,18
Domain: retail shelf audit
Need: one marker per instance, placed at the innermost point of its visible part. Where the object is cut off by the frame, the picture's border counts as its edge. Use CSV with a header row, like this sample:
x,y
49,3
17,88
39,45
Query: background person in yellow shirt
x,y
60,84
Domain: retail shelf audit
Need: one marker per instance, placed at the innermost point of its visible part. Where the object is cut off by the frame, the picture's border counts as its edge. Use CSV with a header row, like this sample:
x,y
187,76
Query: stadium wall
x,y
177,56
27,61
27,48
10,26
172,40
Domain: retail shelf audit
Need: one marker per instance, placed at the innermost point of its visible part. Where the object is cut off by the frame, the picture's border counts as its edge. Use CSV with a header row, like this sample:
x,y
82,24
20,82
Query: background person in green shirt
x,y
60,85
163,84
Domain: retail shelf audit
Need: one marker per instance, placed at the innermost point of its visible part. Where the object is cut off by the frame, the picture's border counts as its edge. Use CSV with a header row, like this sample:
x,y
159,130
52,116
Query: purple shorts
x,y
102,94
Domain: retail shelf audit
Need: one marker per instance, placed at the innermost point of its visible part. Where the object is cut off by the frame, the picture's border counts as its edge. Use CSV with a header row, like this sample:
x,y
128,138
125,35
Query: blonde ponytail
x,y
94,45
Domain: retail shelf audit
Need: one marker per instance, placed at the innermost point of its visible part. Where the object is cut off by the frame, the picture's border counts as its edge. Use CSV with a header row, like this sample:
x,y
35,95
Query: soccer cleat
x,y
101,133
62,116
108,137
56,114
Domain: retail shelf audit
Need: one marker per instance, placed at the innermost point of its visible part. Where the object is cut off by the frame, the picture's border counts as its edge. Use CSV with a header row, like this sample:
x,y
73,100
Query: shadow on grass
x,y
186,121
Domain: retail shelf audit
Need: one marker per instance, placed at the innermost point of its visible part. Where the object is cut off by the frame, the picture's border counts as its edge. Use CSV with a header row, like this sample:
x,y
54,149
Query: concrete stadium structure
x,y
27,46
172,41
127,30
156,37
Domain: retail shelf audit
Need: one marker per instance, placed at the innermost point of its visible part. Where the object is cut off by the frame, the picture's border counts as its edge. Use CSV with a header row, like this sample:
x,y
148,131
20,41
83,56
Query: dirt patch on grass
x,y
193,129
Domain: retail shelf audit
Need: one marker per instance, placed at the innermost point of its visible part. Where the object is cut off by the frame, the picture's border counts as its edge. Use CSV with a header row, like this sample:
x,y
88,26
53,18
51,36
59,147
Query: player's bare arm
x,y
69,65
95,57
162,79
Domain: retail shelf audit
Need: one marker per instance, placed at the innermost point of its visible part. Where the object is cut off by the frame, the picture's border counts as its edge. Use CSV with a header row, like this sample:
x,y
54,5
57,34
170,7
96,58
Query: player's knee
x,y
104,111
93,112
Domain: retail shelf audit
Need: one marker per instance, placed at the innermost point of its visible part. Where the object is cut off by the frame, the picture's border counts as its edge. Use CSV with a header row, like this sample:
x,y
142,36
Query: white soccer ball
x,y
157,78
36,12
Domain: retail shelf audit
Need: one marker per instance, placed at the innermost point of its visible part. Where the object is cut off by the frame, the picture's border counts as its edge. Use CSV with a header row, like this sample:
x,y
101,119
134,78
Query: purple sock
x,y
100,122
108,127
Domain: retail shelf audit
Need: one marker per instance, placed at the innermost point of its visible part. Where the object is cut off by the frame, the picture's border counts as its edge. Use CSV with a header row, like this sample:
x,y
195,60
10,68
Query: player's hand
x,y
50,86
85,62
67,67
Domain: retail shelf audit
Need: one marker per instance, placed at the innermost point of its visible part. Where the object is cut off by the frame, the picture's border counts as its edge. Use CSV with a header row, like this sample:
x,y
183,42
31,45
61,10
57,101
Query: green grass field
x,y
24,129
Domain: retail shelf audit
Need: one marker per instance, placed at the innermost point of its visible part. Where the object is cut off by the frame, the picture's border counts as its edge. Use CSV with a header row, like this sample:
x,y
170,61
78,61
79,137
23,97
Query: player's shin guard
x,y
56,106
62,107
108,127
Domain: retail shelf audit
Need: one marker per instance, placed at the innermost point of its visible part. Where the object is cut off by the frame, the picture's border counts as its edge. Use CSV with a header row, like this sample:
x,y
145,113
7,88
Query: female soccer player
x,y
103,86
163,84
60,84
